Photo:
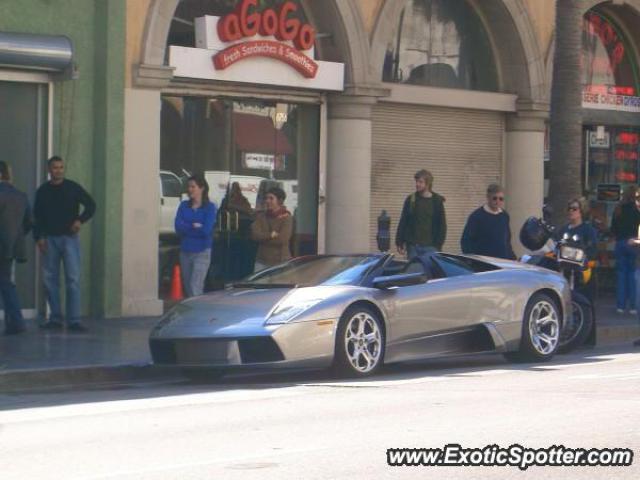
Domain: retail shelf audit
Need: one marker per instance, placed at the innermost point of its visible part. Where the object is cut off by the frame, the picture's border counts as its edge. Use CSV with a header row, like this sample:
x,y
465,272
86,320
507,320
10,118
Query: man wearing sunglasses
x,y
487,231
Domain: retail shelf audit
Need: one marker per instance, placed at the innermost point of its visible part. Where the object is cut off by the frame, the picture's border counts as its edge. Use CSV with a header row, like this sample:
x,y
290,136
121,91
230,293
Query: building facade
x,y
460,87
62,92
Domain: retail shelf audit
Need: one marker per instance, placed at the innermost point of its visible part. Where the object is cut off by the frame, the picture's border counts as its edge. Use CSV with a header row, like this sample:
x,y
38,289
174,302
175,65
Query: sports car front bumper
x,y
297,344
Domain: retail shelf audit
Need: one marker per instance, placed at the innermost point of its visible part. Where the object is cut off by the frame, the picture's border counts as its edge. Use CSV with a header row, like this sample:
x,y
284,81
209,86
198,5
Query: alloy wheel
x,y
544,327
363,342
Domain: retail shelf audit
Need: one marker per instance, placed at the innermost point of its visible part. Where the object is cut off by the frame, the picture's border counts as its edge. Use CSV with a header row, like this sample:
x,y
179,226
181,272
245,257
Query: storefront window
x,y
254,144
182,31
441,43
611,136
608,67
612,161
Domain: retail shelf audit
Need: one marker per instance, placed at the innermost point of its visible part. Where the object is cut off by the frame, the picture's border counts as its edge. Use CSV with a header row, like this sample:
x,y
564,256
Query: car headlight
x,y
571,254
288,311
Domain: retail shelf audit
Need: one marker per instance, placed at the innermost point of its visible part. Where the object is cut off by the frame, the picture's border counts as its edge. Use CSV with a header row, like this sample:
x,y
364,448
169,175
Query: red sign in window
x,y
626,155
628,138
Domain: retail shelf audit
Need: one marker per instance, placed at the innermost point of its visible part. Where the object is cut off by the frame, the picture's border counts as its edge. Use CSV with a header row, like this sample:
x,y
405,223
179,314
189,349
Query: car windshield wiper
x,y
263,285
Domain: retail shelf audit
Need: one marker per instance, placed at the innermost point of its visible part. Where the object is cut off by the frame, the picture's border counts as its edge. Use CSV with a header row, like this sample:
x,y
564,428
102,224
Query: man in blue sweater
x,y
487,231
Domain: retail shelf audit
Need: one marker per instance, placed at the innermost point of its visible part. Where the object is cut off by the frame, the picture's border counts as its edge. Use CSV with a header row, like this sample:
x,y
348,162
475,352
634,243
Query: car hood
x,y
234,311
227,307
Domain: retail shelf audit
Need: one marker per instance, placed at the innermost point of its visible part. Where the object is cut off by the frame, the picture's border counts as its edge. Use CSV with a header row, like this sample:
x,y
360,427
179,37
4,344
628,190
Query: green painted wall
x,y
88,122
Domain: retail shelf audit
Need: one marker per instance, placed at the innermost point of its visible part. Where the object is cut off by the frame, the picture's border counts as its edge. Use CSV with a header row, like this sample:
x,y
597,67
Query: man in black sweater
x,y
57,223
487,231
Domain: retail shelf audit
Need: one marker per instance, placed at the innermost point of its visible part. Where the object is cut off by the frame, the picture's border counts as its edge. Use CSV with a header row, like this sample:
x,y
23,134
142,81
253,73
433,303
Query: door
x,y
23,143
428,312
462,149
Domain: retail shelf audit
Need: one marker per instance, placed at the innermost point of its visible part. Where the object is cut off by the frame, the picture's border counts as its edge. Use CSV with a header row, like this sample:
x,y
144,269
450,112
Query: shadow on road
x,y
417,371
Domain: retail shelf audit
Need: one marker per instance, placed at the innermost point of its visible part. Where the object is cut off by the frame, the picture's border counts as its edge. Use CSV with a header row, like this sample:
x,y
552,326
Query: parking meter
x,y
384,232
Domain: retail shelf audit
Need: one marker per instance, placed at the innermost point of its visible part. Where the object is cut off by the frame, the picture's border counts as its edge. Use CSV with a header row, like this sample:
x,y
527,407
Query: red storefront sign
x,y
247,22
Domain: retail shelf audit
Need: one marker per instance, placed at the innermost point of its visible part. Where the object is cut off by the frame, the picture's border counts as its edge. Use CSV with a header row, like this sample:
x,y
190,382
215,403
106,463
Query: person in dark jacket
x,y
58,221
423,225
195,221
15,223
235,219
577,209
487,231
624,226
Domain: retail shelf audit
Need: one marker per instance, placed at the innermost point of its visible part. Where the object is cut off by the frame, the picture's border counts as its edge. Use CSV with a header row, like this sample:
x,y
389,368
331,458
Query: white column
x,y
348,195
524,168
140,203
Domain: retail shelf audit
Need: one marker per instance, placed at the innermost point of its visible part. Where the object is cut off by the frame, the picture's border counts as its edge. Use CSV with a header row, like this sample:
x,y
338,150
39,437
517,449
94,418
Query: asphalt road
x,y
309,426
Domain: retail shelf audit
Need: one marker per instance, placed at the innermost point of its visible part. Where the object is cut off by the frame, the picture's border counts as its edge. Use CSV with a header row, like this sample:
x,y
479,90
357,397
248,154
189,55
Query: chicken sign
x,y
246,22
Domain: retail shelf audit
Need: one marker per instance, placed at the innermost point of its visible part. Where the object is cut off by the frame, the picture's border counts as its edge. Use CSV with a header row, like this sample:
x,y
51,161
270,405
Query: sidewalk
x,y
113,350
116,350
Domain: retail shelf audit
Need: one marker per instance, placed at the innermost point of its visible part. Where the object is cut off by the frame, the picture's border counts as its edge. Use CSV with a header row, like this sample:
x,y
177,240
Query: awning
x,y
35,52
258,134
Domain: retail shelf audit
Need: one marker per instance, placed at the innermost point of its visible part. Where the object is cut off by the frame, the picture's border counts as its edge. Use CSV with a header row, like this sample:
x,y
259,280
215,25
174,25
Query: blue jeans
x,y
414,250
12,313
194,267
65,249
625,274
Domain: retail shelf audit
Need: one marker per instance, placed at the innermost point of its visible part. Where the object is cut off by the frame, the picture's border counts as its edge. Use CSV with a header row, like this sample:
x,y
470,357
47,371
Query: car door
x,y
439,307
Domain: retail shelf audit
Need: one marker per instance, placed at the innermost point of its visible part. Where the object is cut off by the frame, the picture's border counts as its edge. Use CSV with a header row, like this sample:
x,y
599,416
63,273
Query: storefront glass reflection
x,y
611,135
607,64
243,148
441,43
182,31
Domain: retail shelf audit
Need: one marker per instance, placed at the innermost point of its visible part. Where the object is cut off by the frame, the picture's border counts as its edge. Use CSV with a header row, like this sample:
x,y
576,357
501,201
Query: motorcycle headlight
x,y
288,311
571,254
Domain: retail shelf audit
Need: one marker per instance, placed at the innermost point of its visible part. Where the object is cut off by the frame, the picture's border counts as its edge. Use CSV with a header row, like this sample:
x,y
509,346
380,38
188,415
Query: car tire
x,y
360,343
580,330
541,327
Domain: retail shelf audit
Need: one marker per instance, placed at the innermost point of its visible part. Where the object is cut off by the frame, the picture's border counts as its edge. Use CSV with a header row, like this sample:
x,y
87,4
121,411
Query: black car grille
x,y
259,350
163,352
202,351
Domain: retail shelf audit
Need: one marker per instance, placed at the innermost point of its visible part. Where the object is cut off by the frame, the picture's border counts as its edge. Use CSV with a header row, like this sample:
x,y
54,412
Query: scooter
x,y
567,256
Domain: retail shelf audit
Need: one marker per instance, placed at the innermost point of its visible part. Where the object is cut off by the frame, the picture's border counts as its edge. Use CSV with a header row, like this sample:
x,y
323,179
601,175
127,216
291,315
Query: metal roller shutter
x,y
462,148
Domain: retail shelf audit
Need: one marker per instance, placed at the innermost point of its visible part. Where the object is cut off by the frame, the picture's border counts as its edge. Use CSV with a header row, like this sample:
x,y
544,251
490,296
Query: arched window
x,y
441,43
608,65
182,28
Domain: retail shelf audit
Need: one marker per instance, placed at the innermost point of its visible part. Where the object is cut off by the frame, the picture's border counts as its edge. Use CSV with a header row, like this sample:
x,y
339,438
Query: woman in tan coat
x,y
272,230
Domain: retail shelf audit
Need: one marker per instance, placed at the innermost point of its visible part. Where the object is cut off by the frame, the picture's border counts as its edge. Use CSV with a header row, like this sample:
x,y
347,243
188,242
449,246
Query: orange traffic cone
x,y
176,284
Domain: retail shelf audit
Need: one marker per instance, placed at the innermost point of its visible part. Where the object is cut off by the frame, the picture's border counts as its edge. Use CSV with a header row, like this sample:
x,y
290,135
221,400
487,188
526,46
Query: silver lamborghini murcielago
x,y
357,312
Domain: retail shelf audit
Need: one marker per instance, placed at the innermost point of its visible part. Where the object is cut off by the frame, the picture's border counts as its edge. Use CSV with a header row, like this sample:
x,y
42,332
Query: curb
x,y
606,335
23,381
36,379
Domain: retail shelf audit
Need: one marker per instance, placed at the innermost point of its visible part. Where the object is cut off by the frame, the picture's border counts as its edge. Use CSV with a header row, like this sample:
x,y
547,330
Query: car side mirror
x,y
403,280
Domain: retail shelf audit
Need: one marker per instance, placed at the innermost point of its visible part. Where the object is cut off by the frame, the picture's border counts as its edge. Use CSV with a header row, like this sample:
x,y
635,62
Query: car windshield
x,y
313,271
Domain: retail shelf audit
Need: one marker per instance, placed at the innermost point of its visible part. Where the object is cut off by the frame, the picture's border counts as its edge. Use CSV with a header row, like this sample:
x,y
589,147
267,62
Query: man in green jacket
x,y
423,225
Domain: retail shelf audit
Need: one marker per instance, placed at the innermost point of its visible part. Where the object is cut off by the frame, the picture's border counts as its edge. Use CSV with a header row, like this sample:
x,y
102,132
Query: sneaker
x,y
76,327
636,343
51,325
633,311
14,330
619,310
